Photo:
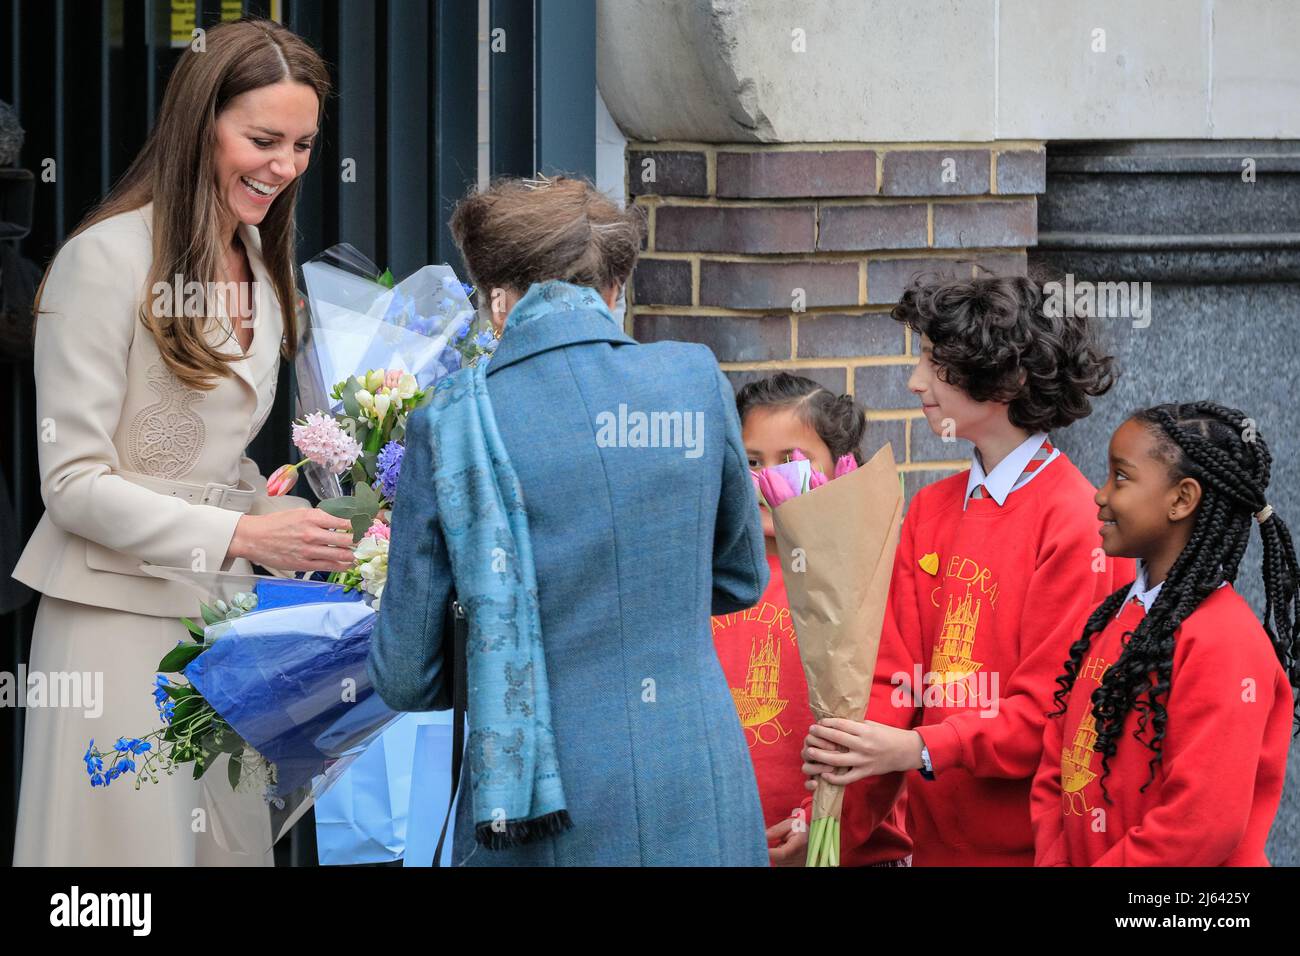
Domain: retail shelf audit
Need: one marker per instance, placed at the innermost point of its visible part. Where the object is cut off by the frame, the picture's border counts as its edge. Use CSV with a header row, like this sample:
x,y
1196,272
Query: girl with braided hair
x,y
1169,741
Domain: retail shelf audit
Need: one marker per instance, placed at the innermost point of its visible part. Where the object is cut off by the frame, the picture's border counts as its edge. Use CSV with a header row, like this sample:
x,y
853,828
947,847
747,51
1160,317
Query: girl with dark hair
x,y
1169,741
758,648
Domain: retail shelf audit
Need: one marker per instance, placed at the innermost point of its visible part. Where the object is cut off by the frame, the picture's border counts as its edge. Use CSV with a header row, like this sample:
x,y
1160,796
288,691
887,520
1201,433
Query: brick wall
x,y
791,256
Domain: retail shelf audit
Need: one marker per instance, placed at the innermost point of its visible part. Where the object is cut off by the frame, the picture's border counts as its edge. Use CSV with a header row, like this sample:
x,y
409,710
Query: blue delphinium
x,y
485,340
388,465
462,331
132,745
94,766
162,700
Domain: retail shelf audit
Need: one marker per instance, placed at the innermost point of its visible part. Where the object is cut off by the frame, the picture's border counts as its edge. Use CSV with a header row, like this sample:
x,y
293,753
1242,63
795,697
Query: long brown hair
x,y
519,231
176,171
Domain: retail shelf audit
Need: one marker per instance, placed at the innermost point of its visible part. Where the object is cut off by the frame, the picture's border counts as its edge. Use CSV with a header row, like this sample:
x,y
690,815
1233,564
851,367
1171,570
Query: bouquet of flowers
x,y
382,345
836,540
272,685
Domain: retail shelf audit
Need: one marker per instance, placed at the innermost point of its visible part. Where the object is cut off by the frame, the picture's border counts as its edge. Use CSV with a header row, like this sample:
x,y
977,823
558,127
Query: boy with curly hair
x,y
994,567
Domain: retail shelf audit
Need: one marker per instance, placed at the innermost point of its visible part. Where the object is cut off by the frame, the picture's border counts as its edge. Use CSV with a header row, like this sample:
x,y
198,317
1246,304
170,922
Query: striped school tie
x,y
1040,456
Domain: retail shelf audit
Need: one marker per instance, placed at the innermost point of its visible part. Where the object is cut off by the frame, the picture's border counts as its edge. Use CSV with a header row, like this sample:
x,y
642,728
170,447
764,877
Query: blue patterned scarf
x,y
514,771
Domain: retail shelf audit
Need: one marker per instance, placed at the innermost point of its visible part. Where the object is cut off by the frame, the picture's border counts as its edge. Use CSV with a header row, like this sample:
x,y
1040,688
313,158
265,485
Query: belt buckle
x,y
214,493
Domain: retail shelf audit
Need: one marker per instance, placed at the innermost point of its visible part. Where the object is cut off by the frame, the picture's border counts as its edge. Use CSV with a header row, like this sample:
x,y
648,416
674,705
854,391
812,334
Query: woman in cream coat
x,y
145,414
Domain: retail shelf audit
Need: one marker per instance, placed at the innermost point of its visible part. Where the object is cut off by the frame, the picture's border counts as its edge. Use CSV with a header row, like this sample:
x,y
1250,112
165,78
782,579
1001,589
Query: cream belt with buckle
x,y
213,493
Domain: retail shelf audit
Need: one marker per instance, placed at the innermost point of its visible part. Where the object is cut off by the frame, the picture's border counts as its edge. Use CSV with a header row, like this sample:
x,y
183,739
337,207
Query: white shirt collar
x,y
1008,470
1143,593
1140,590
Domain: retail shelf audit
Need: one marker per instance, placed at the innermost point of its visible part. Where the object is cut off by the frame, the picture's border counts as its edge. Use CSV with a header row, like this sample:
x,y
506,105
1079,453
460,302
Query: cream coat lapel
x,y
268,329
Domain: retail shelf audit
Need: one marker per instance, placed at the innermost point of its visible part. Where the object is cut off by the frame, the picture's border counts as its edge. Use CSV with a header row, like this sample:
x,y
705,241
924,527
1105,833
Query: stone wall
x,y
728,71
791,258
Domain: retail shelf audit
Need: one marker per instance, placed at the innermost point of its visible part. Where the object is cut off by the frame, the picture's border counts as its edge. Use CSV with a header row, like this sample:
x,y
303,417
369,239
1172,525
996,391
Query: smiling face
x,y
771,434
949,410
1145,512
264,140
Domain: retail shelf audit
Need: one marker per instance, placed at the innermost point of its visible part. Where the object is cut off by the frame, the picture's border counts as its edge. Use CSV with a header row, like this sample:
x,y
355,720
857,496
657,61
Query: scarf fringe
x,y
519,832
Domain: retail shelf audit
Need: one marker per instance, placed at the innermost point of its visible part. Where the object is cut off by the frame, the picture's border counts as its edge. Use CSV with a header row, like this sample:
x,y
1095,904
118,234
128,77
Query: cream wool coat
x,y
135,467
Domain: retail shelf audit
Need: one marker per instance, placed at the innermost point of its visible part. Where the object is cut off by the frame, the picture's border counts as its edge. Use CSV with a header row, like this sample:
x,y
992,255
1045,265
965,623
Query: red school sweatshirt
x,y
759,653
1217,787
980,620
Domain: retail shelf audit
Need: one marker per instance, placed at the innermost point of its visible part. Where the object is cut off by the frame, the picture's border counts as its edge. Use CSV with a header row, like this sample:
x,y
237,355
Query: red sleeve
x,y
1211,750
1063,589
1045,800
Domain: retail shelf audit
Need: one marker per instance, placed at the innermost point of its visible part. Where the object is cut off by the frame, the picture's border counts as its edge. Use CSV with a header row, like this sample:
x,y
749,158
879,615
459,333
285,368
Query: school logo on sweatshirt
x,y
952,663
759,702
1076,759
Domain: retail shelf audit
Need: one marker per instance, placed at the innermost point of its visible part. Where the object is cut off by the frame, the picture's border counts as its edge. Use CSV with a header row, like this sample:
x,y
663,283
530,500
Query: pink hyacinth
x,y
324,441
378,530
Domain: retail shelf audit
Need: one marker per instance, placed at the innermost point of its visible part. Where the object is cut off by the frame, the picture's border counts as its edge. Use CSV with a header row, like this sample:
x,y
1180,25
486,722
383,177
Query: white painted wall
x,y
950,70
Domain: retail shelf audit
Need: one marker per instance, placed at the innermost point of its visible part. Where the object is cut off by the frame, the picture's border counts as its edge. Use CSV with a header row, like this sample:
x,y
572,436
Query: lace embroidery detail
x,y
166,437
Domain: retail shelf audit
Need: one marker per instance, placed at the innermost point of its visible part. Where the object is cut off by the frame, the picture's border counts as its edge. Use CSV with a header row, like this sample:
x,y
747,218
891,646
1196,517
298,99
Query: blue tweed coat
x,y
635,547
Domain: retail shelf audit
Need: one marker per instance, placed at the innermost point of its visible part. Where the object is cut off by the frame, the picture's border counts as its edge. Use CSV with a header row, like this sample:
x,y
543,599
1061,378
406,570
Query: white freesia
x,y
406,387
372,564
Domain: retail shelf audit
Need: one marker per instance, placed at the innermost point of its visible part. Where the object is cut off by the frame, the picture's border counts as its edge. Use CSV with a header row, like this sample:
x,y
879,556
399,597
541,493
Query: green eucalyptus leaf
x,y
351,407
342,507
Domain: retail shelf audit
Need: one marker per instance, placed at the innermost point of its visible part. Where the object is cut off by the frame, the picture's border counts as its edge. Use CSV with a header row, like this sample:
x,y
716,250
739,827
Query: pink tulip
x,y
798,455
844,465
817,480
774,488
282,480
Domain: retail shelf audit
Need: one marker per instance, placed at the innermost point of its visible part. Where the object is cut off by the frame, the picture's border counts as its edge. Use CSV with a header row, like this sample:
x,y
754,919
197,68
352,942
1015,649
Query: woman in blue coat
x,y
587,499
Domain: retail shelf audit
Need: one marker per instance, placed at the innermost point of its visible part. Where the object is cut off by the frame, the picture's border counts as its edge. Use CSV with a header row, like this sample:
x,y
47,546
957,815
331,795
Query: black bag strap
x,y
457,629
